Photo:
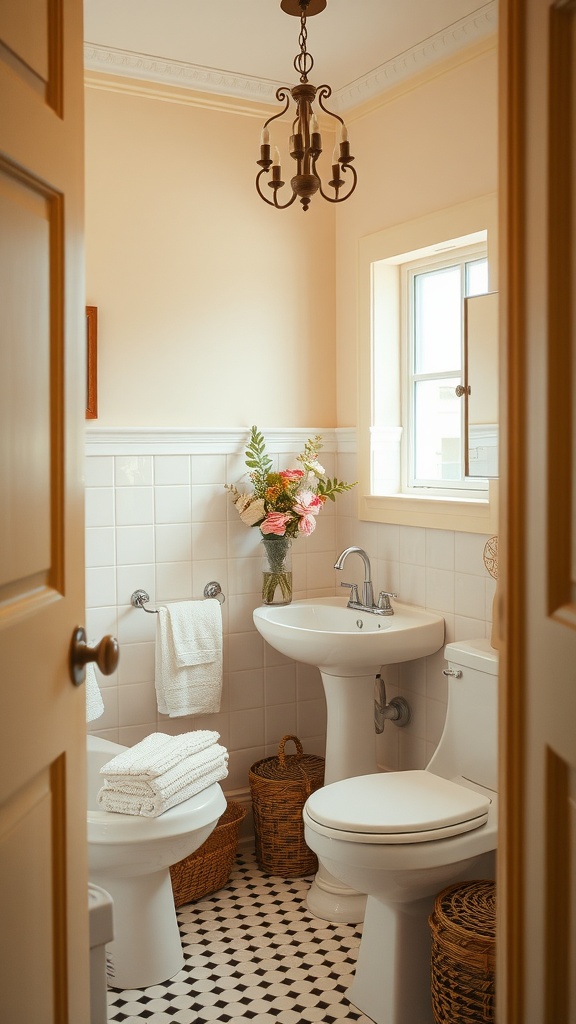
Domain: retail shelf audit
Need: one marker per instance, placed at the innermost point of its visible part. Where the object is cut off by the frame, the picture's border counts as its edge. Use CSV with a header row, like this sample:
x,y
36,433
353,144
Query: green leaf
x,y
257,459
330,488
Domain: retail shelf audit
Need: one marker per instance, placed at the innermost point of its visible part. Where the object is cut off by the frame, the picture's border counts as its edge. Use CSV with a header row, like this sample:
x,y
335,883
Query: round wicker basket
x,y
209,867
280,787
463,927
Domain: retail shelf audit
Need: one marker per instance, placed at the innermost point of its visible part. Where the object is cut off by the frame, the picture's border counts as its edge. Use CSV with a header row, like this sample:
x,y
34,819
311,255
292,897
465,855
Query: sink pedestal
x,y
350,735
350,751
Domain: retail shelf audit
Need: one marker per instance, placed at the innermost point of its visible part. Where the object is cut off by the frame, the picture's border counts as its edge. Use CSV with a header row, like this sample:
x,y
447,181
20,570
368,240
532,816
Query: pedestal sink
x,y
349,647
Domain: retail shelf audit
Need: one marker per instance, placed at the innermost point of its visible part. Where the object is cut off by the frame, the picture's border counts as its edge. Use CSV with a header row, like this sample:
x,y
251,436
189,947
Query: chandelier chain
x,y
303,61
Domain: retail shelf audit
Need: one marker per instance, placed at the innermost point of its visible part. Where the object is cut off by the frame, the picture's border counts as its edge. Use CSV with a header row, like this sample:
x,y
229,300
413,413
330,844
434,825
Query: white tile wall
x,y
164,523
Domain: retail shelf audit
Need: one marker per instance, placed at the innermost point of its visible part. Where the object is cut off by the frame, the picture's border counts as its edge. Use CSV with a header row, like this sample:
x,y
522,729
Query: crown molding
x,y
145,67
463,34
128,64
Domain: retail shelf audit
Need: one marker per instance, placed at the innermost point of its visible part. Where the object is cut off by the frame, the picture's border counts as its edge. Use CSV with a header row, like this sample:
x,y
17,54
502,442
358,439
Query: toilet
x,y
403,836
129,856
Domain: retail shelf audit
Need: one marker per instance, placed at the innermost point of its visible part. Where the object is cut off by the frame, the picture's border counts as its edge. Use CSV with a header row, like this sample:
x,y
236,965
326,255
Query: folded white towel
x,y
157,753
94,702
151,798
186,685
121,803
171,781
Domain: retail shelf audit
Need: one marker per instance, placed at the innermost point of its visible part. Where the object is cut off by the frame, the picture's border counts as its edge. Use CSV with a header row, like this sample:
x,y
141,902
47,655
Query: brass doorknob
x,y
106,655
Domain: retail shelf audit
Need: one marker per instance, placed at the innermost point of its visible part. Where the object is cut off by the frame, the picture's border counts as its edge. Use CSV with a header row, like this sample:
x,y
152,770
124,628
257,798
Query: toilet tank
x,y
469,743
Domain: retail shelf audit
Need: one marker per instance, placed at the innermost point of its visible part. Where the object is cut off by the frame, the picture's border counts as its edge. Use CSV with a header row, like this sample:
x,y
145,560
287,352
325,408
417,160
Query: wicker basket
x,y
280,787
463,928
209,867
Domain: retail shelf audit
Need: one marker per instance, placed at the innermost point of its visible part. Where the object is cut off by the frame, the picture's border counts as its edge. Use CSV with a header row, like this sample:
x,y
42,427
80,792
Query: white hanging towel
x,y
94,702
189,658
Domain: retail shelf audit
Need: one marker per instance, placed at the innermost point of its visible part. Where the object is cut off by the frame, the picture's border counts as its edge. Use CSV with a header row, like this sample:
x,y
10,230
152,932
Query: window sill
x,y
465,516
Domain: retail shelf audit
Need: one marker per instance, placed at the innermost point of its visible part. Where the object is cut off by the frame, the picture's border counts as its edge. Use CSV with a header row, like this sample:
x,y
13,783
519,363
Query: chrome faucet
x,y
367,603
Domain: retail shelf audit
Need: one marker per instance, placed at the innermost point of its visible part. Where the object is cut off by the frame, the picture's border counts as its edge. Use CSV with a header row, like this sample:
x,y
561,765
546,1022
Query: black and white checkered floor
x,y
253,955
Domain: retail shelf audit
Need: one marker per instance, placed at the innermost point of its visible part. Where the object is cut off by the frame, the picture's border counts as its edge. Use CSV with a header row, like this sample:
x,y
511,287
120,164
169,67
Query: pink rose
x,y
308,504
306,525
291,474
275,522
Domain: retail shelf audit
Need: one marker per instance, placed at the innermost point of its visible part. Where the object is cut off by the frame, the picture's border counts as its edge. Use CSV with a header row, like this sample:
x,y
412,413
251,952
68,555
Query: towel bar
x,y
140,598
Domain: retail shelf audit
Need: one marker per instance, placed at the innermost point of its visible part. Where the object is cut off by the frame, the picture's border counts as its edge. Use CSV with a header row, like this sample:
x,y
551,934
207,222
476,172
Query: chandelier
x,y
305,141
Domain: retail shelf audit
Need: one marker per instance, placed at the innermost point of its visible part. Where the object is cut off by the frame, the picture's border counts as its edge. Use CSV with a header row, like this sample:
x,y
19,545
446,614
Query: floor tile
x,y
253,955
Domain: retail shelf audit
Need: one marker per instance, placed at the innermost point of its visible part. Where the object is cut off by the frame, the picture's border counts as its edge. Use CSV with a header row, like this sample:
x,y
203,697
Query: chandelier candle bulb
x,y
343,134
264,137
276,169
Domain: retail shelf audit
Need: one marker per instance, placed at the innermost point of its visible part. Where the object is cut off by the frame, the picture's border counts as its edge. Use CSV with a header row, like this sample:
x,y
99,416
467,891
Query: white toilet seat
x,y
396,807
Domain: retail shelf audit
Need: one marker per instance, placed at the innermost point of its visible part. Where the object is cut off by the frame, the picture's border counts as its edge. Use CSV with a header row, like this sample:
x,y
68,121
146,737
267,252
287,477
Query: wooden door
x,y
43,874
536,977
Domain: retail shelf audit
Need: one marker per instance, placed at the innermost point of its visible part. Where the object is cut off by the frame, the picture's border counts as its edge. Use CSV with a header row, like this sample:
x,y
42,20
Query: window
x,y
432,334
414,278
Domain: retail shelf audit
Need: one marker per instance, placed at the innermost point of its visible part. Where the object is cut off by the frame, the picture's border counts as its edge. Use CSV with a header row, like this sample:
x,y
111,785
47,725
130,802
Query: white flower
x,y
251,511
316,468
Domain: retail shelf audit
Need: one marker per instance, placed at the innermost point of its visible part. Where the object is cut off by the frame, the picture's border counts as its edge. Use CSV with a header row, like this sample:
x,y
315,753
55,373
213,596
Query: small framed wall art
x,y
91,362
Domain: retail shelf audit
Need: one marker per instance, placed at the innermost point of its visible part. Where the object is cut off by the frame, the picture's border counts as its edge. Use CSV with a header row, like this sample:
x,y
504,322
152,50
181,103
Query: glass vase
x,y
276,570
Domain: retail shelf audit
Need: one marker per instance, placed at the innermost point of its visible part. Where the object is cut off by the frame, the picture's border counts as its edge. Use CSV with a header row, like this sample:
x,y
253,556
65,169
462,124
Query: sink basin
x,y
345,642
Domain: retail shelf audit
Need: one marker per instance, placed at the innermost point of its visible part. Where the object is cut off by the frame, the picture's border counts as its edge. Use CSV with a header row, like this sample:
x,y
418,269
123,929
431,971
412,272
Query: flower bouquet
x,y
283,506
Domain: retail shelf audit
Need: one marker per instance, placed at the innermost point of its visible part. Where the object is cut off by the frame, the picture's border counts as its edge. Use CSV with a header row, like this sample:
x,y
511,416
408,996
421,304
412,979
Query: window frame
x,y
456,255
377,253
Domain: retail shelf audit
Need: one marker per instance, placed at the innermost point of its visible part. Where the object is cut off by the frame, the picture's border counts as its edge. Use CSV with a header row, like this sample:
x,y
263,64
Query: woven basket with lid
x,y
280,787
463,927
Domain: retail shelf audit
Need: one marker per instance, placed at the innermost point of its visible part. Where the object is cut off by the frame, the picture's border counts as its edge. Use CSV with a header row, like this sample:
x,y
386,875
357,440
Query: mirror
x,y
481,384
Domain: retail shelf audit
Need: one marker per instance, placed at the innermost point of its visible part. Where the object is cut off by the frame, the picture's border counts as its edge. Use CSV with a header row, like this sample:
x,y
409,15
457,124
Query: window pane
x,y
477,277
437,430
437,320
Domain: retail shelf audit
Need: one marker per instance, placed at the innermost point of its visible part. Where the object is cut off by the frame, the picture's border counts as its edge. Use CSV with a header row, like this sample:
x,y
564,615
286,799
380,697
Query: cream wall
x,y
428,145
213,308
193,275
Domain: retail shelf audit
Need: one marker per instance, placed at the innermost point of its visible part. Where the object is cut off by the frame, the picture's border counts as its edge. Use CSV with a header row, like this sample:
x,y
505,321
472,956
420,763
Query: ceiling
x,y
246,48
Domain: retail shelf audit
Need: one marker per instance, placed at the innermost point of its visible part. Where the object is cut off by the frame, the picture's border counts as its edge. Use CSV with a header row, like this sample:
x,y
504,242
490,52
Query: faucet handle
x,y
384,599
353,587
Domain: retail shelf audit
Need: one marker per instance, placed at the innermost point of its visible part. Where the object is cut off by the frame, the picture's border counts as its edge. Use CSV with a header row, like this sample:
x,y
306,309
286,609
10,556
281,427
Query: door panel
x,y
26,543
26,823
44,949
32,45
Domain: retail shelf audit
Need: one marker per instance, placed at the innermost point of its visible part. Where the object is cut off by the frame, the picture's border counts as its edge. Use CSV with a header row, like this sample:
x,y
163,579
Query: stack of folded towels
x,y
162,771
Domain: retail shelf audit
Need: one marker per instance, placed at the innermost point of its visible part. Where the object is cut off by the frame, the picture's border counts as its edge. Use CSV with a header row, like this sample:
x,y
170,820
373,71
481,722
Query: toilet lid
x,y
397,807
